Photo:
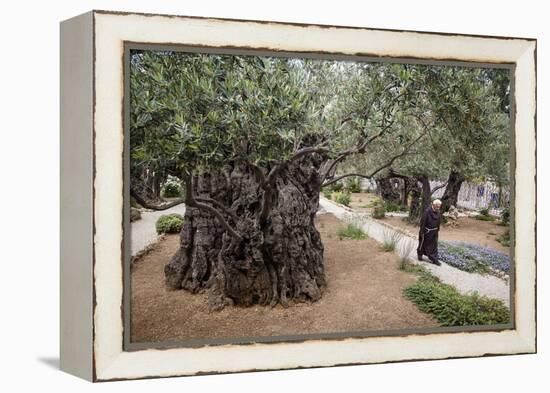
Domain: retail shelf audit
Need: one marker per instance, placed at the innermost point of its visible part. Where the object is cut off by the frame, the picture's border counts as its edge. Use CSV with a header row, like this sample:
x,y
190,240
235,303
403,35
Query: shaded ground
x,y
469,230
364,293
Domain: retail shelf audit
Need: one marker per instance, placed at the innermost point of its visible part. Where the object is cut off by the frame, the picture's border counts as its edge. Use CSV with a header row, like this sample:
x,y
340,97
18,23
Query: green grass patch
x,y
352,231
450,307
391,239
387,247
406,266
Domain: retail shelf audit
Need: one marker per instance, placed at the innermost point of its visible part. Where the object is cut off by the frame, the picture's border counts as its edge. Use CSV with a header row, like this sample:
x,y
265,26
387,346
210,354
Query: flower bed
x,y
473,258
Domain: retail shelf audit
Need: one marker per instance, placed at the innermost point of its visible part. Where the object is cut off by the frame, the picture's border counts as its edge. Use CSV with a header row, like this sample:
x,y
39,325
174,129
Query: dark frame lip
x,y
198,343
339,56
304,24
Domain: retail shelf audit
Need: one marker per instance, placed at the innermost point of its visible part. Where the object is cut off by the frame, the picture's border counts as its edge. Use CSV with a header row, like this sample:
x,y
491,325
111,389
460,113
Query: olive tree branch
x,y
192,202
388,164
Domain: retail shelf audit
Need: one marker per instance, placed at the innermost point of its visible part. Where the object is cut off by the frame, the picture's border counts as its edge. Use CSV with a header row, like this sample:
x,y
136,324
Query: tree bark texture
x,y
387,190
276,260
420,198
415,204
450,196
145,187
426,193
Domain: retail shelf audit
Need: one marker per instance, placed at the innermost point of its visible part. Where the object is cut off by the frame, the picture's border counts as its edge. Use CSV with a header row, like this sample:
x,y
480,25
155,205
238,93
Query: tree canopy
x,y
192,112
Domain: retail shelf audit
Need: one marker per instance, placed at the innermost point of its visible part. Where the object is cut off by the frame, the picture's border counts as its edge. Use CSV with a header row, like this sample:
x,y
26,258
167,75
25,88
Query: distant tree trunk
x,y
450,196
426,193
420,198
405,193
142,188
386,190
277,260
414,207
406,185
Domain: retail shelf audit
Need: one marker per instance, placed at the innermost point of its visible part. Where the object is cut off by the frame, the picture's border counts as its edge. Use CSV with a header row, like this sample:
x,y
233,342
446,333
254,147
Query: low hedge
x,y
169,223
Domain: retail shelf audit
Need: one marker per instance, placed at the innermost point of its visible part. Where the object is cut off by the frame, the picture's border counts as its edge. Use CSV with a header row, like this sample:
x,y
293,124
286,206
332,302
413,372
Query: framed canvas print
x,y
247,195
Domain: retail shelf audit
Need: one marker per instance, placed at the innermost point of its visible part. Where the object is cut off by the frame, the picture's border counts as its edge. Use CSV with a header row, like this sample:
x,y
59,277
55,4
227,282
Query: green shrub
x,y
327,193
352,231
169,223
378,212
375,202
504,239
353,186
336,187
394,207
484,212
451,308
172,190
505,216
343,198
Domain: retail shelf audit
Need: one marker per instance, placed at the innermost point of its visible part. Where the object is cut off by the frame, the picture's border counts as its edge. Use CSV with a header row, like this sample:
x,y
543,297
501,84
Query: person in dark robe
x,y
429,233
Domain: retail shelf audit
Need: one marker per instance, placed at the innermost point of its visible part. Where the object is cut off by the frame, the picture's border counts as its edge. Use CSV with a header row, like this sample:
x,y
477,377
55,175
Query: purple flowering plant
x,y
473,258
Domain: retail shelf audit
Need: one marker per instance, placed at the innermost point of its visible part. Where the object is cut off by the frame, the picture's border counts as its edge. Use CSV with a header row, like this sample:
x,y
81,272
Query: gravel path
x,y
143,232
465,282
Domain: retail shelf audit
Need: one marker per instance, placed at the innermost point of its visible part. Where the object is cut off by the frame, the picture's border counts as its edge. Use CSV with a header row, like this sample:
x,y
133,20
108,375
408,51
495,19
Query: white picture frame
x,y
92,194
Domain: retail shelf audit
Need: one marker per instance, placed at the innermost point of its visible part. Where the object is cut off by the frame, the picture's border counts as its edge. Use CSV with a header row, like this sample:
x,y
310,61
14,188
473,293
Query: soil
x,y
364,293
469,230
362,201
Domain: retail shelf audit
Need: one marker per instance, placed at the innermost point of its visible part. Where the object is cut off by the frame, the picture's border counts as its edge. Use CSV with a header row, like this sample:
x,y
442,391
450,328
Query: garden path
x,y
143,232
464,282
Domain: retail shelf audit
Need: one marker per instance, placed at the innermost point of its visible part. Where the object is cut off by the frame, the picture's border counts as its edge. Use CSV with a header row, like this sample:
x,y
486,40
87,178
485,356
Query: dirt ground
x,y
361,201
469,230
364,293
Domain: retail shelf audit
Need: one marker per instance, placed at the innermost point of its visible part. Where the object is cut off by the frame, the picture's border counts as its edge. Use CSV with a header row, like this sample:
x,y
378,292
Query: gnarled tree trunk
x,y
450,196
276,260
387,191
